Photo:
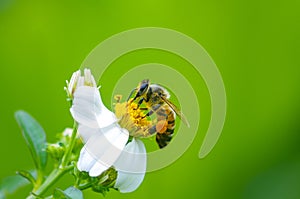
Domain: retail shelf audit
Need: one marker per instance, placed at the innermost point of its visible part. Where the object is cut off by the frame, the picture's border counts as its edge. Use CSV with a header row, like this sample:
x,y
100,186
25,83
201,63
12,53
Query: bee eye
x,y
143,87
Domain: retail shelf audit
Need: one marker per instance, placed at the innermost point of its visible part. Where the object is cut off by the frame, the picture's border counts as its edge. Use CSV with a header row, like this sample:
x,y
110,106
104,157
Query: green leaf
x,y
69,193
59,194
74,193
27,175
10,184
35,138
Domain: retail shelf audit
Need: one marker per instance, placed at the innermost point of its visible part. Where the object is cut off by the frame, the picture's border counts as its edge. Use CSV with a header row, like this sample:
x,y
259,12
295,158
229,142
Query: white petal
x,y
131,166
80,82
88,109
104,148
89,78
86,161
97,169
86,132
73,82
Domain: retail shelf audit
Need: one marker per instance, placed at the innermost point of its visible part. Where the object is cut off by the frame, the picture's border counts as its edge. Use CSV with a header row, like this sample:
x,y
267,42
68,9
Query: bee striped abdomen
x,y
164,136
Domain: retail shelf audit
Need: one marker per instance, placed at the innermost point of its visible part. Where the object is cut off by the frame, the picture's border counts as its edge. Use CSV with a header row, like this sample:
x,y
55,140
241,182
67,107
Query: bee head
x,y
142,88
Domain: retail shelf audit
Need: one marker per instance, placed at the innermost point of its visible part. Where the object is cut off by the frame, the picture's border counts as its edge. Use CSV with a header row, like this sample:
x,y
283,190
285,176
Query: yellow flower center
x,y
132,118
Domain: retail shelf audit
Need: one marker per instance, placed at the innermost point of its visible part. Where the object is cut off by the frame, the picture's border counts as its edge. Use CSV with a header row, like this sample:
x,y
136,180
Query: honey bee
x,y
156,99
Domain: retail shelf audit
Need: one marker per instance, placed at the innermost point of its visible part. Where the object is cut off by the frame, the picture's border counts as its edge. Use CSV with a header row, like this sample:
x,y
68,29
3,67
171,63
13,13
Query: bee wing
x,y
177,111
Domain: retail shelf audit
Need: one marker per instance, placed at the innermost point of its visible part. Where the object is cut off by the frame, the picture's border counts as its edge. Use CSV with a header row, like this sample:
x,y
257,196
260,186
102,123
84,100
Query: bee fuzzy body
x,y
156,99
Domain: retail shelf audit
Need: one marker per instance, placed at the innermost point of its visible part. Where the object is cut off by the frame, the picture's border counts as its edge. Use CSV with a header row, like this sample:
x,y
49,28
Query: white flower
x,y
105,140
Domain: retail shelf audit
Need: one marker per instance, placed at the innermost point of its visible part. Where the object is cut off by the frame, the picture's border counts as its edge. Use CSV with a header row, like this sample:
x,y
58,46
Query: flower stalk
x,y
57,173
66,157
54,176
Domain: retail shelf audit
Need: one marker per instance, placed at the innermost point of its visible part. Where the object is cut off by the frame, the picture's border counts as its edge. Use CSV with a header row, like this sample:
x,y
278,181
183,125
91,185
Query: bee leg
x,y
133,90
152,130
153,110
159,127
140,102
149,113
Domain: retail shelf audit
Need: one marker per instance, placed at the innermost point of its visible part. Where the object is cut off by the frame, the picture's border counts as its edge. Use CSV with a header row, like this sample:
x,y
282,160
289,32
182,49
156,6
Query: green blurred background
x,y
255,44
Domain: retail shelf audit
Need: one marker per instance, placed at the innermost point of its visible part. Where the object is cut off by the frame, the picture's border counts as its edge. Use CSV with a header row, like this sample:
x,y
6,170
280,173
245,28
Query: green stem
x,y
39,180
52,178
60,171
77,182
65,159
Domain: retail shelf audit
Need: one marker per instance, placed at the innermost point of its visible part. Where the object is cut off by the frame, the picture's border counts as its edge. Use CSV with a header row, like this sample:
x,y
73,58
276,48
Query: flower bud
x,y
56,151
105,181
78,80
